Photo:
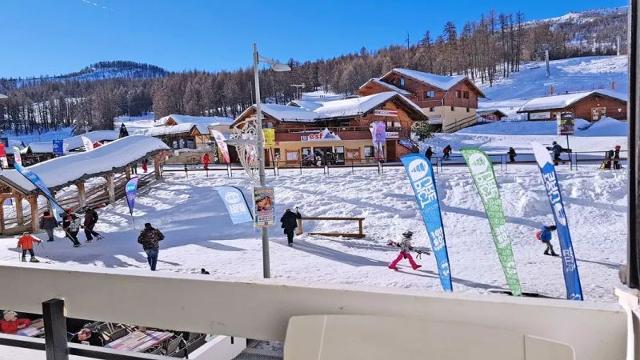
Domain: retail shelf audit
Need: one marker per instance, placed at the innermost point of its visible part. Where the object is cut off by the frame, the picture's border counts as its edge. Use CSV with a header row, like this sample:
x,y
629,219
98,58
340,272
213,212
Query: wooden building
x,y
450,102
340,127
588,105
490,115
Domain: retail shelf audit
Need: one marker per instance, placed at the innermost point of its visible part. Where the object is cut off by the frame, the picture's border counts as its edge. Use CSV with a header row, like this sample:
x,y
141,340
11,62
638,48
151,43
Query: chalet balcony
x,y
344,132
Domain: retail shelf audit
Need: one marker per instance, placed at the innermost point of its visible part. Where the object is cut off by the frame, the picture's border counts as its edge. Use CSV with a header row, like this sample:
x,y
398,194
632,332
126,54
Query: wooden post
x,y
2,199
361,227
55,330
111,188
33,204
157,166
82,196
127,172
19,210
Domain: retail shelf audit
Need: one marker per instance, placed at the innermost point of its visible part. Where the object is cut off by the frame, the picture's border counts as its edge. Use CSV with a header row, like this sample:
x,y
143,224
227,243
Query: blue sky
x,y
45,37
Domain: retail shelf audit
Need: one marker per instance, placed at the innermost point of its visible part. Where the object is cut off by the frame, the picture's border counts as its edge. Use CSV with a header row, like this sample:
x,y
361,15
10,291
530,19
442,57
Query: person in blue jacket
x,y
545,236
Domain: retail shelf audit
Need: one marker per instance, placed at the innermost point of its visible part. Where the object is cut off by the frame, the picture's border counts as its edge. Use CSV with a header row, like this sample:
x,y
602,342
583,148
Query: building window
x,y
467,109
368,152
292,156
397,125
339,153
432,109
458,94
465,94
389,124
276,154
402,82
429,94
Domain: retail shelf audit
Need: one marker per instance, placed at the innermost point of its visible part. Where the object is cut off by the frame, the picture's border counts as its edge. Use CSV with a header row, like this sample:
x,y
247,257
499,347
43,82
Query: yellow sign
x,y
269,137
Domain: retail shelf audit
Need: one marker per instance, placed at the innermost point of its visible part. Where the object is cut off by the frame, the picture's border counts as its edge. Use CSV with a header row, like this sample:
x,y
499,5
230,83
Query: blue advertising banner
x,y
423,182
569,264
58,147
58,211
235,203
130,190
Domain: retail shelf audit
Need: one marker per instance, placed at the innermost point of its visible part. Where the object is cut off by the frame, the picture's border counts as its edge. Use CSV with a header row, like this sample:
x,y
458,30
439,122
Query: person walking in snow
x,y
616,158
429,153
71,227
446,152
149,238
123,131
145,165
512,154
25,242
206,160
557,150
48,223
544,235
289,222
405,251
90,221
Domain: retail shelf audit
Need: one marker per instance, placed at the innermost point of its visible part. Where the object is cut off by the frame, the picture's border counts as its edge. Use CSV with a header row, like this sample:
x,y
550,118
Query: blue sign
x,y
58,211
569,264
130,190
58,147
235,203
423,182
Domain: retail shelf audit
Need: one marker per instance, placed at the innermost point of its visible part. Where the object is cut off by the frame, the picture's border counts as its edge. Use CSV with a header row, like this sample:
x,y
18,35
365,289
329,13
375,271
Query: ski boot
x,y
76,245
24,259
34,260
416,267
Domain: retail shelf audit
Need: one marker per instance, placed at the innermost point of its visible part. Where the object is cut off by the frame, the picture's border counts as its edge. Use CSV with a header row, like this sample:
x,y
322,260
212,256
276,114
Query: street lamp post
x,y
276,66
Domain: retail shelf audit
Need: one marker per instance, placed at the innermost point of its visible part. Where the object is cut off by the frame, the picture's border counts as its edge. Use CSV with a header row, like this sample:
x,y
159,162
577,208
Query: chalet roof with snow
x,y
556,102
442,82
183,128
202,122
391,87
74,142
322,110
2,96
64,171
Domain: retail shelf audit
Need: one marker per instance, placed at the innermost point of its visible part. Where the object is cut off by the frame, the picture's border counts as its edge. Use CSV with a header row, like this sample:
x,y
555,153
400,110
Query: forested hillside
x,y
491,47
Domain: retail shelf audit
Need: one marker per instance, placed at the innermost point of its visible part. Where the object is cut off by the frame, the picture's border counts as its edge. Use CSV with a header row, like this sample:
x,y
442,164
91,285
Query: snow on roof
x,y
74,142
63,171
288,113
306,104
564,100
2,96
170,129
202,122
387,85
439,81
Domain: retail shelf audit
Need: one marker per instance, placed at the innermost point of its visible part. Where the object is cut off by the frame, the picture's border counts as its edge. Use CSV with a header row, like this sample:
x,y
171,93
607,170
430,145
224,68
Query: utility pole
x,y
633,234
546,60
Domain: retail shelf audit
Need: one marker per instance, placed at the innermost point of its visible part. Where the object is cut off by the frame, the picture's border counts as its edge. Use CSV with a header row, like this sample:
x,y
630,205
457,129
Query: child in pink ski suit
x,y
405,251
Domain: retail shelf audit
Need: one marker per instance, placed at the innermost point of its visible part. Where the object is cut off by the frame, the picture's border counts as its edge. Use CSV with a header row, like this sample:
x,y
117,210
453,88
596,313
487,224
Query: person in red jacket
x,y
10,324
206,160
25,242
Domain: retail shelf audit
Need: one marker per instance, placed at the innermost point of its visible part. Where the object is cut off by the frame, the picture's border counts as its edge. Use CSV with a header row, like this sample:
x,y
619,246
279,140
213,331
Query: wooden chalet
x,y
341,127
588,105
450,102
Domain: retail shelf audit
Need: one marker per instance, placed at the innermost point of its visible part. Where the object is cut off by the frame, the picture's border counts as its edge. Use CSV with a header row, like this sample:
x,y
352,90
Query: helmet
x,y
617,146
407,233
554,143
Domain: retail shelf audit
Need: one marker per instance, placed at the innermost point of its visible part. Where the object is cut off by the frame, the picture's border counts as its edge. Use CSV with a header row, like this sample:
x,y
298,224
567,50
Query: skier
x,y
512,154
616,158
149,238
429,153
48,223
90,220
446,152
405,251
145,165
123,131
25,242
71,226
204,271
544,235
557,150
289,222
206,160
10,324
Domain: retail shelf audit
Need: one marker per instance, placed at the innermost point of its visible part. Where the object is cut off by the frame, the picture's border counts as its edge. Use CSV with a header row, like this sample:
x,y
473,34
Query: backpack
x,y
539,235
75,225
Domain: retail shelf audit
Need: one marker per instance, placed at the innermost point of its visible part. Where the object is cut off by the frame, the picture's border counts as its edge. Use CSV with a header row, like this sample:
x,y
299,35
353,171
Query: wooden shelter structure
x,y
111,162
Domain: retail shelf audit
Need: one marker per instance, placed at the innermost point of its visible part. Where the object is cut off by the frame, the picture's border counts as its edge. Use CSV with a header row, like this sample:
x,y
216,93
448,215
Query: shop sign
x,y
393,113
324,135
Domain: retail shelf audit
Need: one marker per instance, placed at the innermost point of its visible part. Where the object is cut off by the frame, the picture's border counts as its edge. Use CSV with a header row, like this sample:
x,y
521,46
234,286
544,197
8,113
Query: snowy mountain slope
x,y
200,234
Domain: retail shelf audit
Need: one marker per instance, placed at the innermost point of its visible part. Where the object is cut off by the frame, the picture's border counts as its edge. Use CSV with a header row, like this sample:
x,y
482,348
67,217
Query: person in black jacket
x,y
48,223
71,226
429,153
123,131
90,220
512,154
87,337
289,223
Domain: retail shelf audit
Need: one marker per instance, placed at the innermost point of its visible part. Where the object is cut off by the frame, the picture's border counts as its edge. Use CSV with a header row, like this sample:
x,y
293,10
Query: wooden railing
x,y
460,124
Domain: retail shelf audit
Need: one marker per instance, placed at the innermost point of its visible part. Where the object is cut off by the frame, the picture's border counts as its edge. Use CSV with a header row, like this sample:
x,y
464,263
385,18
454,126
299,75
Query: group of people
x,y
612,159
446,152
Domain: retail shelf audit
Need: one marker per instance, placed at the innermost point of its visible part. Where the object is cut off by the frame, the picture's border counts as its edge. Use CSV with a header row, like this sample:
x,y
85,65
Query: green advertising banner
x,y
481,170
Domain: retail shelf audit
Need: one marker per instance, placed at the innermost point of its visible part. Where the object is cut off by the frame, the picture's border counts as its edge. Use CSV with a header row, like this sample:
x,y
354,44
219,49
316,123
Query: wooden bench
x,y
358,235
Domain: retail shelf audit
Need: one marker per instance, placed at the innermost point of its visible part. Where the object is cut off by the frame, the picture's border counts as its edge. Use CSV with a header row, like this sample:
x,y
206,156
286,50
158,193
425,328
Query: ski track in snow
x,y
199,233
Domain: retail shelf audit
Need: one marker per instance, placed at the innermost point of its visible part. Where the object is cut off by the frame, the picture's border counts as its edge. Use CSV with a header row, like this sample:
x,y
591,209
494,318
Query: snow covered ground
x,y
199,233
